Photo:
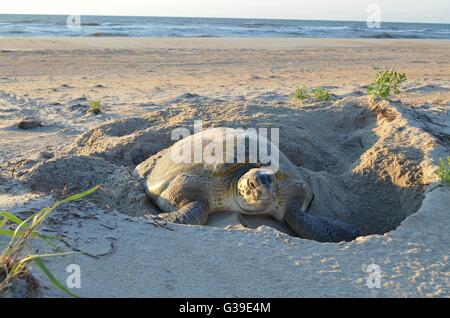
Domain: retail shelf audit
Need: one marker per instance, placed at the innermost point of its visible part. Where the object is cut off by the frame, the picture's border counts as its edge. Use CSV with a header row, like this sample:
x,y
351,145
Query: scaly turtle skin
x,y
189,192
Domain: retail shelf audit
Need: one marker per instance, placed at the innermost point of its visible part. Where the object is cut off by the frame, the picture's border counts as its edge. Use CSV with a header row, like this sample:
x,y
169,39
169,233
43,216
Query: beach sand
x,y
370,162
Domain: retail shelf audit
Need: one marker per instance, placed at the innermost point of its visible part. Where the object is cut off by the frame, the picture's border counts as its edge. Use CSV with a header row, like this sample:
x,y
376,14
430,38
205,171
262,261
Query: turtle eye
x,y
265,179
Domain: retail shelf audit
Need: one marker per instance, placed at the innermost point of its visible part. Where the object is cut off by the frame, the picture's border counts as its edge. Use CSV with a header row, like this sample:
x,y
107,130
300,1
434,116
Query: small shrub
x,y
321,94
14,259
95,107
318,93
301,93
386,84
443,171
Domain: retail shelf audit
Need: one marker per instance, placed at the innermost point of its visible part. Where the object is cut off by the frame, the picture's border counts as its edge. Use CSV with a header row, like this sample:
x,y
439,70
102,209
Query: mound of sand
x,y
365,160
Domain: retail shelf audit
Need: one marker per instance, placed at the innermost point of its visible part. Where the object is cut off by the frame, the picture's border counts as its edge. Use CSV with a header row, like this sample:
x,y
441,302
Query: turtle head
x,y
256,190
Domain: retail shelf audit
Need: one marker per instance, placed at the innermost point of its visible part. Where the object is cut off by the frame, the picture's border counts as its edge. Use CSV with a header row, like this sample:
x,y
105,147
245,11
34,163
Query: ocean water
x,y
102,26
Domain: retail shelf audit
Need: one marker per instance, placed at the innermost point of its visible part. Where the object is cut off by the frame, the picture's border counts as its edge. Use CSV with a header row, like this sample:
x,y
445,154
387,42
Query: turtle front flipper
x,y
318,228
194,213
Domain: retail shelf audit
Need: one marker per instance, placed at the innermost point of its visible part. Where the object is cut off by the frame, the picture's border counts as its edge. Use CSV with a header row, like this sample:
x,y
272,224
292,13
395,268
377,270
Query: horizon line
x,y
208,17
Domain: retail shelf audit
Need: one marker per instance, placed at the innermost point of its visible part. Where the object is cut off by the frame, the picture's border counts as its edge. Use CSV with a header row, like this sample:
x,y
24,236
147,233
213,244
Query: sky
x,y
437,11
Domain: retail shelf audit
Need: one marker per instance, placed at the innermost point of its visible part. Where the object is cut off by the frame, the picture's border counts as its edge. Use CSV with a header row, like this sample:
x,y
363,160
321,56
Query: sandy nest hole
x,y
364,160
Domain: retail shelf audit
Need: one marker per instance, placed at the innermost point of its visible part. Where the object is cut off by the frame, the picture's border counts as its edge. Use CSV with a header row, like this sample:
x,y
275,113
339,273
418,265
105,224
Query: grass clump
x,y
318,93
95,107
16,255
301,93
443,170
386,84
321,94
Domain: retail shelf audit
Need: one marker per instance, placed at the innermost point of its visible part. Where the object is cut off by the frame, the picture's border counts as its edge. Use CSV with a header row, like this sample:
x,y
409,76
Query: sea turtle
x,y
190,190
